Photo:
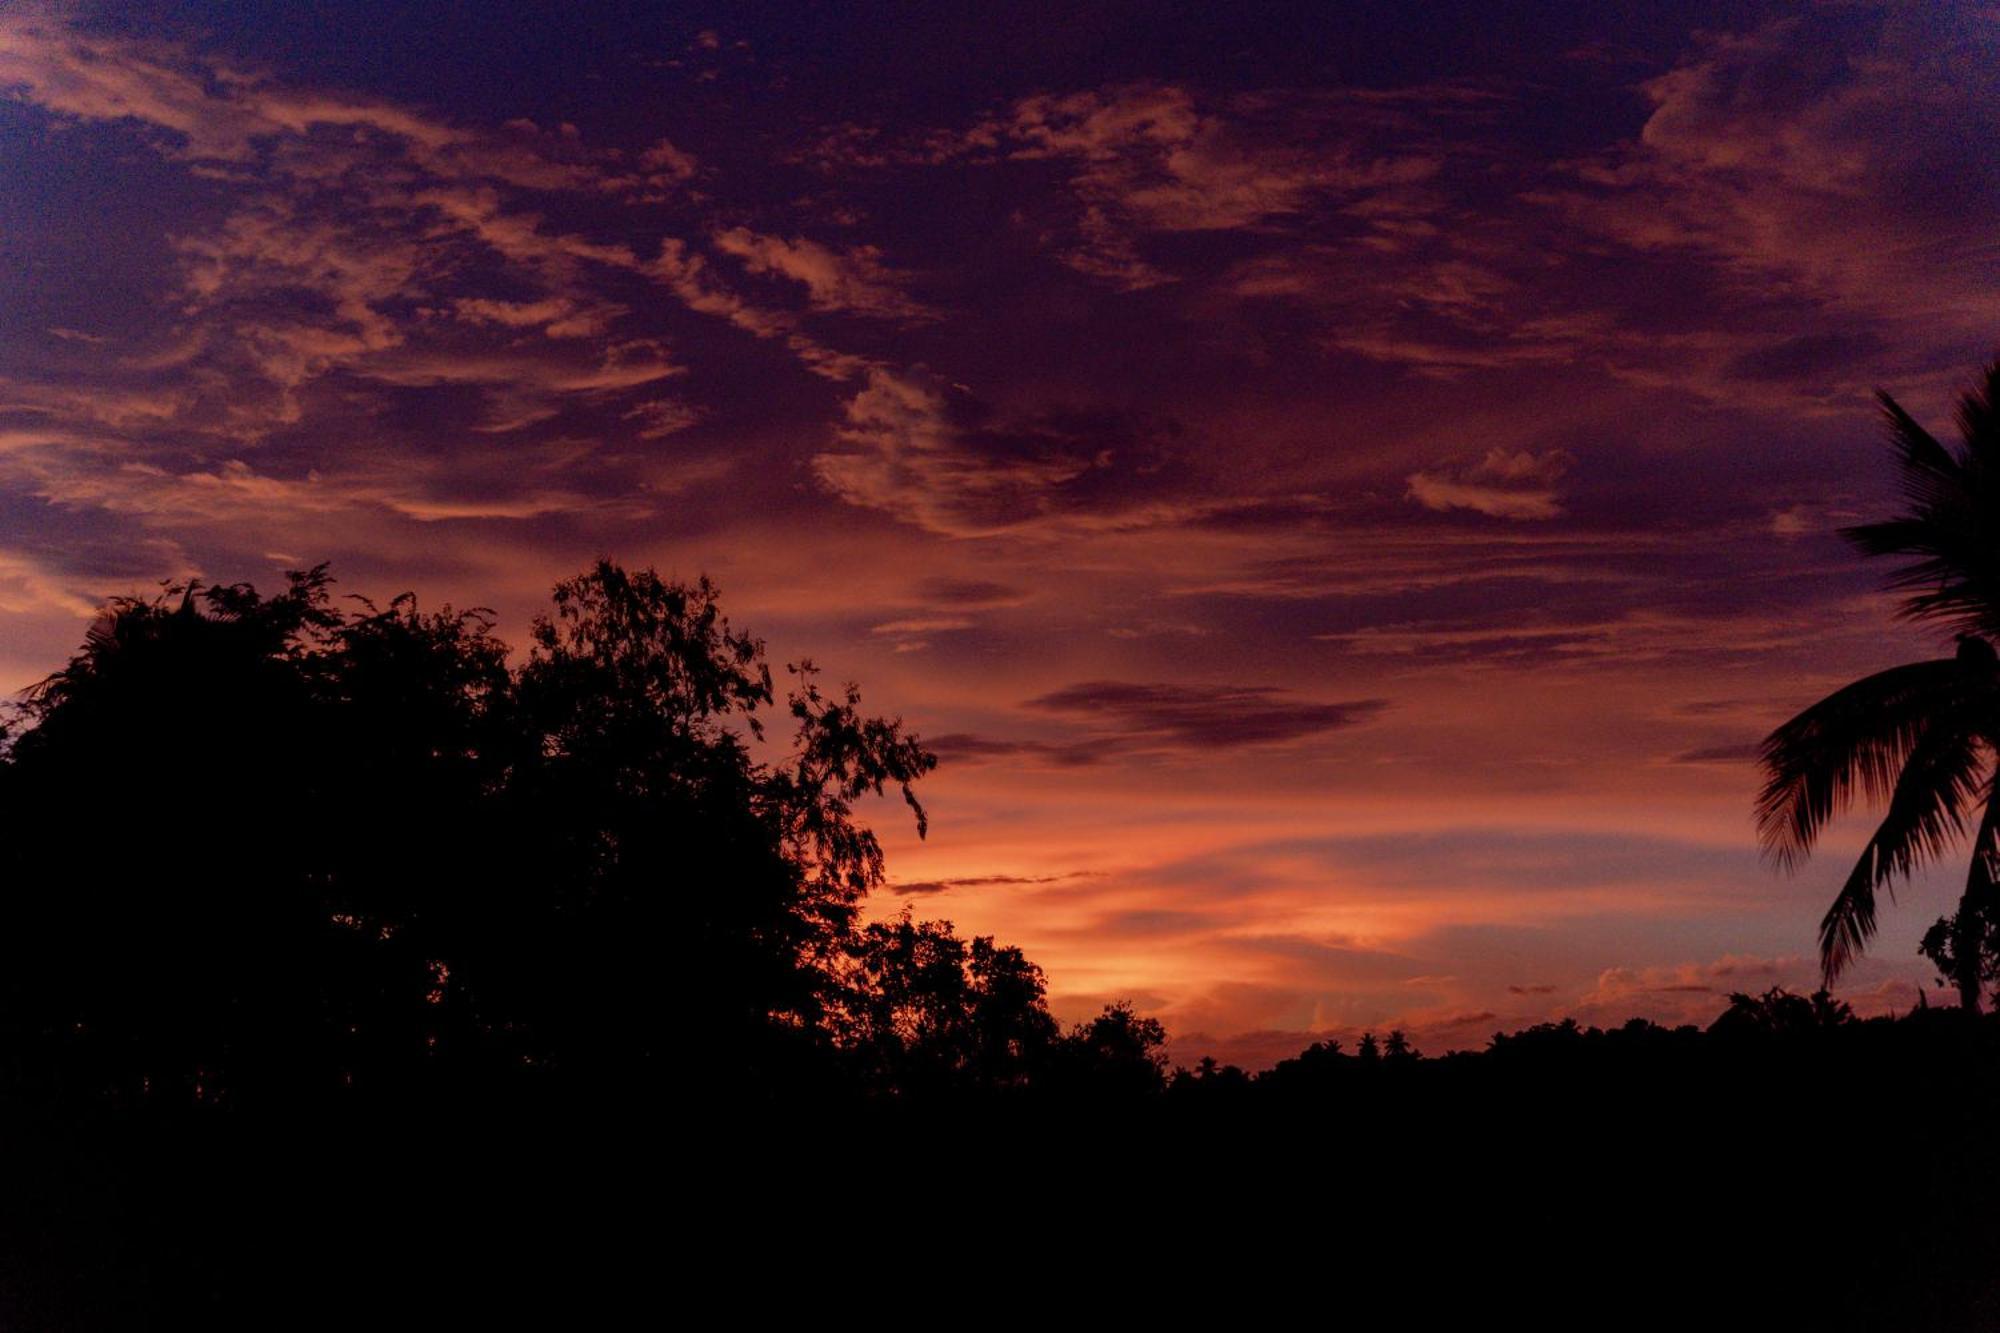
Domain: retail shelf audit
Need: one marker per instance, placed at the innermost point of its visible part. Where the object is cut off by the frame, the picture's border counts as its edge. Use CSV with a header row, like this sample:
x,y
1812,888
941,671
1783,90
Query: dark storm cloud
x,y
1833,355
1202,717
912,888
1481,645
1131,718
969,593
963,747
1741,753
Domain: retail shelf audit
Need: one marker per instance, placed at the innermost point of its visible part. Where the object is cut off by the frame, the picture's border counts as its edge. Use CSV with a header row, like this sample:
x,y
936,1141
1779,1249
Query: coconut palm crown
x,y
1919,739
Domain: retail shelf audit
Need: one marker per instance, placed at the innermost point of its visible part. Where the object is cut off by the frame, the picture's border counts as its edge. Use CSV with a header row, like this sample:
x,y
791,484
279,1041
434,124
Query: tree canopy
x,y
270,848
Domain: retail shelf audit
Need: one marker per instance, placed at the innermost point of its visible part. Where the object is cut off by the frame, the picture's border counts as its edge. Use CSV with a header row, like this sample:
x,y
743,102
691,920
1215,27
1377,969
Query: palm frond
x,y
1978,419
1929,471
1942,780
1951,521
1853,742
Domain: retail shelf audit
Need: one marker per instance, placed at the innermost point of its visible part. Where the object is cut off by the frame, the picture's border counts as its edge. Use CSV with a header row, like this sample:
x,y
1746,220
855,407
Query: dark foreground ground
x,y
501,1229
1823,1185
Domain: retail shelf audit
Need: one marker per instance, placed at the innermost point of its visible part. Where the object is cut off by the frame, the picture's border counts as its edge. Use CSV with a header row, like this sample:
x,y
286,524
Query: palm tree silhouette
x,y
1920,737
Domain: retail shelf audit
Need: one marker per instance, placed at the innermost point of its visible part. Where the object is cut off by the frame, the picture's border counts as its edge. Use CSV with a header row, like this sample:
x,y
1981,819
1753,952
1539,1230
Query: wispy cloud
x,y
1134,425
852,281
917,448
1201,717
1502,484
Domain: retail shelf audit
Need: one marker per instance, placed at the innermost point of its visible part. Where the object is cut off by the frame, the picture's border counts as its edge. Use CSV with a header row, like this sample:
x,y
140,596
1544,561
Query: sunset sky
x,y
1342,487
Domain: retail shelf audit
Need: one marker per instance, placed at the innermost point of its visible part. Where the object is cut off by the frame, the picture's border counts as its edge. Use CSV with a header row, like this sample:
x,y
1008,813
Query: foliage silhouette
x,y
166,916
356,854
1119,1054
1922,737
931,1013
279,849
334,939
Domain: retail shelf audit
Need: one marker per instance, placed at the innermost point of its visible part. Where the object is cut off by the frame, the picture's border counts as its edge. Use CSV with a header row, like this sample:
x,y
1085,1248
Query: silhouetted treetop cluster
x,y
268,848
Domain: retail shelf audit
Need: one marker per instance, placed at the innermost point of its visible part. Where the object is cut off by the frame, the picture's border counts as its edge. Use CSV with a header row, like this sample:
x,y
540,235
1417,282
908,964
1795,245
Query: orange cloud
x,y
853,281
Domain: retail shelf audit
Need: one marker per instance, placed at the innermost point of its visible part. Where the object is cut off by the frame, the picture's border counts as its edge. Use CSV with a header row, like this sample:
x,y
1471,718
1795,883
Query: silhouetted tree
x,y
165,927
929,1011
261,847
1779,1013
1117,1053
1967,940
1919,737
1210,1079
423,734
678,898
